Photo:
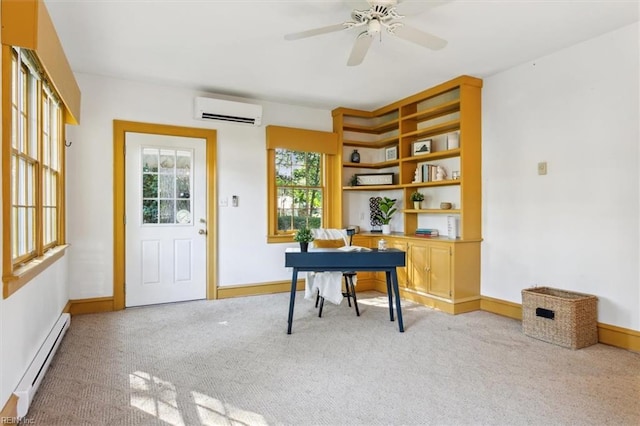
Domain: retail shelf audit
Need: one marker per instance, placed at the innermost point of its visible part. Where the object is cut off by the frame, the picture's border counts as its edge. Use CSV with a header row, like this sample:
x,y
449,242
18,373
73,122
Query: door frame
x,y
120,128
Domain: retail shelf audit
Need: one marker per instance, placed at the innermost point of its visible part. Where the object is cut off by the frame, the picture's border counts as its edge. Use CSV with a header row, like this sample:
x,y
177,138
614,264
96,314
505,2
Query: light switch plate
x,y
542,168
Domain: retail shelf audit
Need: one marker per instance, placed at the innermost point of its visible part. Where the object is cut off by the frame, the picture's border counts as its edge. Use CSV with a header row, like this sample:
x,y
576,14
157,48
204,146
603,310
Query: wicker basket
x,y
561,317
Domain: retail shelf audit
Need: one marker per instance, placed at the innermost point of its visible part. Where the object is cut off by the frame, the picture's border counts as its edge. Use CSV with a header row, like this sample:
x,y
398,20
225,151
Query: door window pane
x,y
166,186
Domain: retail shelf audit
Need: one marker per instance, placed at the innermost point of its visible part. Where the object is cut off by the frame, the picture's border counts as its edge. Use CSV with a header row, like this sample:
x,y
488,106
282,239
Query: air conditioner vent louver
x,y
229,111
228,118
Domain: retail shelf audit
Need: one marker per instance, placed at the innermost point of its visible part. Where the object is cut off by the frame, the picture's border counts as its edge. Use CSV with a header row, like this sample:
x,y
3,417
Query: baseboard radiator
x,y
35,373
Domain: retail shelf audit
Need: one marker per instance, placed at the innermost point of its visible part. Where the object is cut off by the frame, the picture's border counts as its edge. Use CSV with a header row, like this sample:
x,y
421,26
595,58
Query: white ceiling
x,y
237,48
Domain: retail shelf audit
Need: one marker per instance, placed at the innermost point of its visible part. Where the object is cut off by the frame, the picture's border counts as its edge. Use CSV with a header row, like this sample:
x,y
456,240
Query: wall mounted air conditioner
x,y
221,110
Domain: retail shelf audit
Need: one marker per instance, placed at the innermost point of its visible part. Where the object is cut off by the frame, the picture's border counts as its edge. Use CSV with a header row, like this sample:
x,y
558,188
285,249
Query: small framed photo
x,y
374,179
391,153
421,147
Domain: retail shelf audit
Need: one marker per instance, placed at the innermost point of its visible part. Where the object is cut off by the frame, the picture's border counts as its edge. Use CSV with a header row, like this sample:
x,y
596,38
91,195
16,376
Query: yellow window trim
x,y
15,276
27,23
296,139
25,273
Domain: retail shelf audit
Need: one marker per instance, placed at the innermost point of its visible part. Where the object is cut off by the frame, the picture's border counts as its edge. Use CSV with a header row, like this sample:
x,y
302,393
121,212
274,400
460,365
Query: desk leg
x,y
292,298
389,294
394,278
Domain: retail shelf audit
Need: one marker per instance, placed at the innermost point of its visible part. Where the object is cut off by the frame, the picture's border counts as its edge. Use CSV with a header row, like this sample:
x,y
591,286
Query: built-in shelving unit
x,y
448,116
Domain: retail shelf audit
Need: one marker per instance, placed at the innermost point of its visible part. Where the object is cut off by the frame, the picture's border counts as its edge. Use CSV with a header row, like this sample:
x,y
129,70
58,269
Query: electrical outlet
x,y
223,202
542,168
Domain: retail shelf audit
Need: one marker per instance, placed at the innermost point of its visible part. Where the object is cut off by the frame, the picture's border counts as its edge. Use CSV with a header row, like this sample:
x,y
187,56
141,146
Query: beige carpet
x,y
230,362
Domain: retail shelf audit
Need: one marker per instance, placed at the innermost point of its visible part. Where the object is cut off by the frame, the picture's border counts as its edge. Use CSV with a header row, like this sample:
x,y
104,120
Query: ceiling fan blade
x,y
419,37
316,31
360,49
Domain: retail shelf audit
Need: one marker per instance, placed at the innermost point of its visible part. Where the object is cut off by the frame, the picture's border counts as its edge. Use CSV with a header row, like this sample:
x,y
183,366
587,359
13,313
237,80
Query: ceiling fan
x,y
382,14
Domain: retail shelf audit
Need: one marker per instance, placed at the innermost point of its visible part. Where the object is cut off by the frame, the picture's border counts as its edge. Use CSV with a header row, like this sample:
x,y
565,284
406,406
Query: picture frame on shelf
x,y
391,153
374,179
421,147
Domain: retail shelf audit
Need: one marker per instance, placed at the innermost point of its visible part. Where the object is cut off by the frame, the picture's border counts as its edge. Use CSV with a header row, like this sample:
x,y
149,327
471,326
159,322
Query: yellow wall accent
x,y
10,411
258,288
21,276
304,140
501,307
301,139
26,23
618,336
430,301
90,306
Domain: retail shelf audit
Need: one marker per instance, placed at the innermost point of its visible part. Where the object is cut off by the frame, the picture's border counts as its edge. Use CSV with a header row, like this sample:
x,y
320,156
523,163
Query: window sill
x,y
275,239
25,273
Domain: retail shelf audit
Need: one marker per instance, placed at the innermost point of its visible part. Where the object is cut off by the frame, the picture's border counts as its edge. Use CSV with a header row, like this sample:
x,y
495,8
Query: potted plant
x,y
387,209
304,237
417,198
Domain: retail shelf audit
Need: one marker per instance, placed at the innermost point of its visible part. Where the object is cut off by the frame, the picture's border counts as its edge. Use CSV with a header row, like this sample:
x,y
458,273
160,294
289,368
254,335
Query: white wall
x,y
576,228
241,160
26,318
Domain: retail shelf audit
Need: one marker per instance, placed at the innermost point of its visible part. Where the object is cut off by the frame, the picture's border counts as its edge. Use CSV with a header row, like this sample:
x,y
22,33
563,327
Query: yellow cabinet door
x,y
439,270
402,271
418,260
399,244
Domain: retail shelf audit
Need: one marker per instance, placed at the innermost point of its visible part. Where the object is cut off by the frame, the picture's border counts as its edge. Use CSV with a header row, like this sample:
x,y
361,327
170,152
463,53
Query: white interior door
x,y
165,228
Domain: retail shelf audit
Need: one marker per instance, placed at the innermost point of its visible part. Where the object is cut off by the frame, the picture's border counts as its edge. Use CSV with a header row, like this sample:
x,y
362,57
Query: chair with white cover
x,y
332,285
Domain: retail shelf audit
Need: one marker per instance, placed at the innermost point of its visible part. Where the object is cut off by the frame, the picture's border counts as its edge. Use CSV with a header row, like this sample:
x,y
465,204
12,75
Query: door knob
x,y
202,231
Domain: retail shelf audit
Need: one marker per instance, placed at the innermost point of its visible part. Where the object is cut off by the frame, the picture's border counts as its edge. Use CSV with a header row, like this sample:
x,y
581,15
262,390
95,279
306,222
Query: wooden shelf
x,y
438,155
446,182
371,187
372,144
448,126
432,211
381,165
378,129
435,112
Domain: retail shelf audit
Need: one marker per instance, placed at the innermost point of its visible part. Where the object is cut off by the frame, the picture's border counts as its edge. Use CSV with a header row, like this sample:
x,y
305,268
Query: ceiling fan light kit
x,y
381,14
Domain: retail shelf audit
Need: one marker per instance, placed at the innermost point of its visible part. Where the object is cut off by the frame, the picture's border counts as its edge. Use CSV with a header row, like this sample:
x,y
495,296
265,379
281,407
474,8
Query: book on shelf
x,y
426,232
428,172
426,236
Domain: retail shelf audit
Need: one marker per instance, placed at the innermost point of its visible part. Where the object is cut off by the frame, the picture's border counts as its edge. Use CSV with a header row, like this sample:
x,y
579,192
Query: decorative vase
x,y
304,247
355,156
416,205
386,229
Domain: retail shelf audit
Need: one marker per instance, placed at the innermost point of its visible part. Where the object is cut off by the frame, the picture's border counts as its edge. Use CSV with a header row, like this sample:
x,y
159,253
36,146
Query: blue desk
x,y
320,260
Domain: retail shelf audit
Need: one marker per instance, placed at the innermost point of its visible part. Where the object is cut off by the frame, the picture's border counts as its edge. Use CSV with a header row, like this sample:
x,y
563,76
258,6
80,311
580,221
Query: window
x,y
301,165
33,220
299,189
